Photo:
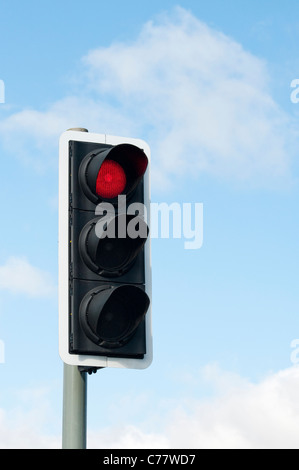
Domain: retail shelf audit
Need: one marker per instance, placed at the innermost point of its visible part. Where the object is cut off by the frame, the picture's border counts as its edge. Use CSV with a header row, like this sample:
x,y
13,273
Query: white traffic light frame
x,y
63,254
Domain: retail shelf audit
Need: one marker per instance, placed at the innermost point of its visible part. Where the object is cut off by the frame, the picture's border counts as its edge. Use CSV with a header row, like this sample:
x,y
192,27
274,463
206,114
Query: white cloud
x,y
18,276
23,425
263,415
35,134
241,415
202,100
196,95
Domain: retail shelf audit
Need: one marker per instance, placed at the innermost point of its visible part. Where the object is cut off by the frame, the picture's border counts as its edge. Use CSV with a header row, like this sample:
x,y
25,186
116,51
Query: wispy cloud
x,y
26,424
196,95
200,98
241,414
18,276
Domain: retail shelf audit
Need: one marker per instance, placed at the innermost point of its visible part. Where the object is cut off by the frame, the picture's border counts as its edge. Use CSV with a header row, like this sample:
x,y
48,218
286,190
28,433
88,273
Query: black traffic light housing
x,y
104,251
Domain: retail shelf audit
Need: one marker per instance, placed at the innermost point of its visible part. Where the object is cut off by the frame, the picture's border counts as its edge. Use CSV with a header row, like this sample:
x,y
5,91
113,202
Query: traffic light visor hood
x,y
111,315
106,173
111,256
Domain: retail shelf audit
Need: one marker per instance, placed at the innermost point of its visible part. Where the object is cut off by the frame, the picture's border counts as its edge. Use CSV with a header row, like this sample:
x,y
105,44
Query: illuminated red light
x,y
111,179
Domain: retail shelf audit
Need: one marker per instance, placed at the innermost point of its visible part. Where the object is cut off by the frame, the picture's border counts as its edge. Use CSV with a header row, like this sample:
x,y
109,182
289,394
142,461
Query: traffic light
x,y
104,251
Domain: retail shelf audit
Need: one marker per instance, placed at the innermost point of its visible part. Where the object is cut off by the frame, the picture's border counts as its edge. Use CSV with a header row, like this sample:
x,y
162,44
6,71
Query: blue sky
x,y
207,85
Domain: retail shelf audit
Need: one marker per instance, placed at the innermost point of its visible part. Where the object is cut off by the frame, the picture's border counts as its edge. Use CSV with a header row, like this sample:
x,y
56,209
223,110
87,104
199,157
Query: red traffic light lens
x,y
111,179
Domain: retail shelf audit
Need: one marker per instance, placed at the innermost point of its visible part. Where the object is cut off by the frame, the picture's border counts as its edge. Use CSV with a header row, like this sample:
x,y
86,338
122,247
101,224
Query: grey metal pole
x,y
74,408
